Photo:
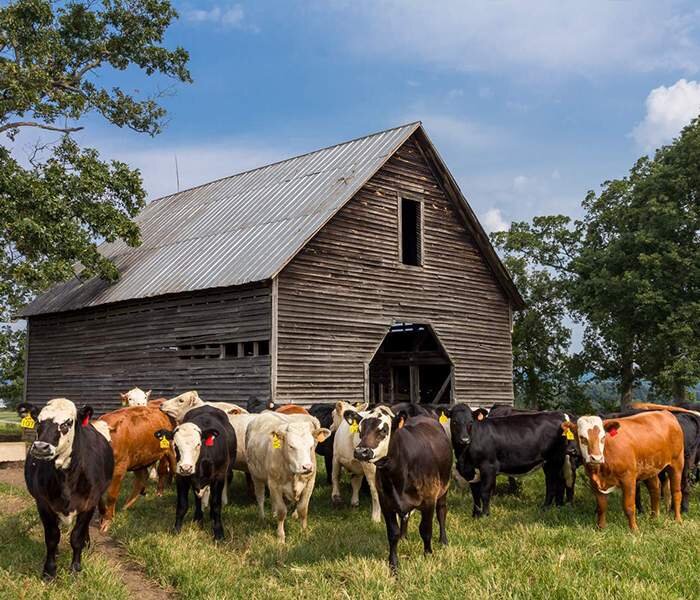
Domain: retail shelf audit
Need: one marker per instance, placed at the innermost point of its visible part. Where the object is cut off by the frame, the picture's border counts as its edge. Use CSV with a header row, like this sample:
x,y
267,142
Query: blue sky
x,y
530,103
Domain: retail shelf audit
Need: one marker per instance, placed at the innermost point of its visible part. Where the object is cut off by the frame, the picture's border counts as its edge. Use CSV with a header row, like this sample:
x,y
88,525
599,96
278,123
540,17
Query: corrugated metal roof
x,y
232,231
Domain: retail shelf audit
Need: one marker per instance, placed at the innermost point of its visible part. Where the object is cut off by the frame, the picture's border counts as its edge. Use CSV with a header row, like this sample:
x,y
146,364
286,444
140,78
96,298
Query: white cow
x,y
178,406
135,397
347,437
280,451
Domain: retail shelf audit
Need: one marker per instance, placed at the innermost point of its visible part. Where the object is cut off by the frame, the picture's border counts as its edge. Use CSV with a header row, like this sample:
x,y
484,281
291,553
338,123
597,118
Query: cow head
x,y
340,409
375,429
178,406
56,431
461,422
187,440
297,441
135,397
590,433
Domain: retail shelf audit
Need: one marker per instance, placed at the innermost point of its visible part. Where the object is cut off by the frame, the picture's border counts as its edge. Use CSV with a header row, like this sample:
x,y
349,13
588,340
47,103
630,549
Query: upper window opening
x,y
411,232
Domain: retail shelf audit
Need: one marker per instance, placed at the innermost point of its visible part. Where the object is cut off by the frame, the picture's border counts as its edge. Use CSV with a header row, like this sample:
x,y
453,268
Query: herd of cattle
x,y
406,453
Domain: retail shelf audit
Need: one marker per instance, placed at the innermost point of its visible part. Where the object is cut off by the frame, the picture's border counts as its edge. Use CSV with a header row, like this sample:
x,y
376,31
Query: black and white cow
x,y
324,413
413,458
205,450
512,445
67,470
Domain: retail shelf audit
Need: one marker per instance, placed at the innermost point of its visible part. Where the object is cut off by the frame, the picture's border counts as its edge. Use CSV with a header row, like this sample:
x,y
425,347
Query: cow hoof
x,y
336,501
376,519
48,575
75,568
355,504
159,494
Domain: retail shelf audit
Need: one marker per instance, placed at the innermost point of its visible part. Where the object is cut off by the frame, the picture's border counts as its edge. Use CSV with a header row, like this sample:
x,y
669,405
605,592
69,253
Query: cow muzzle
x,y
185,469
363,454
42,451
596,460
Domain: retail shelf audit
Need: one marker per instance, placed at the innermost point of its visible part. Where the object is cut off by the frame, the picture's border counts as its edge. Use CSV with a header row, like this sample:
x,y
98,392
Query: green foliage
x,y
56,61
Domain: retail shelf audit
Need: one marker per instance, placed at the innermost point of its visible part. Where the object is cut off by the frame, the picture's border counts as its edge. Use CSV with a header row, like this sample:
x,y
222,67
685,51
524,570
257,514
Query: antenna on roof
x,y
177,174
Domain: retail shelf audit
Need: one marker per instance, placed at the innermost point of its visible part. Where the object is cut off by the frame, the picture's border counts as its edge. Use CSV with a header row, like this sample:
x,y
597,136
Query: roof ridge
x,y
284,160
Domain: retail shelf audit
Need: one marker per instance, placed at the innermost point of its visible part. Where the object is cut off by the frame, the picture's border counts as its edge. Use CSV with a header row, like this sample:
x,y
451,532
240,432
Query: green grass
x,y
9,415
518,552
9,426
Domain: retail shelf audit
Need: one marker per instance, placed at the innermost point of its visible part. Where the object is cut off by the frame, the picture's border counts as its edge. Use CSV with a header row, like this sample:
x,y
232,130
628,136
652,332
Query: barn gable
x,y
346,300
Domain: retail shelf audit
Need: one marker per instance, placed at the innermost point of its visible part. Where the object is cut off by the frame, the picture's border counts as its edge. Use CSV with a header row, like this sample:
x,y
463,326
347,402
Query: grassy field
x,y
518,552
9,426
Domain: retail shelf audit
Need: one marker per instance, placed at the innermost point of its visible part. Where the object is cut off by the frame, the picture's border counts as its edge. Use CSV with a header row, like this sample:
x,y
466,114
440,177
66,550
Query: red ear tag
x,y
86,420
209,441
612,432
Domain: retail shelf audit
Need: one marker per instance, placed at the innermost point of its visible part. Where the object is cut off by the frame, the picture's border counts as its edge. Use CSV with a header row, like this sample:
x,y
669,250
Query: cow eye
x,y
65,426
584,441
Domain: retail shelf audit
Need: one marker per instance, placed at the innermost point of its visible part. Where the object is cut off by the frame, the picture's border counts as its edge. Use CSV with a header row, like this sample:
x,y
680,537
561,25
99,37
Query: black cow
x,y
205,449
512,445
324,414
414,465
67,470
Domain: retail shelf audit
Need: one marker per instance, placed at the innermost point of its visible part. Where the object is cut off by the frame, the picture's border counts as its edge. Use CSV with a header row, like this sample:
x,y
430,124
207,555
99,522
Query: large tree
x,y
58,65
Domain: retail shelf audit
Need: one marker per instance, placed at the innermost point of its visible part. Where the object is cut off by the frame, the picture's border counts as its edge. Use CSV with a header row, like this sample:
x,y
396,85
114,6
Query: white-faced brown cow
x,y
619,452
67,470
281,454
135,397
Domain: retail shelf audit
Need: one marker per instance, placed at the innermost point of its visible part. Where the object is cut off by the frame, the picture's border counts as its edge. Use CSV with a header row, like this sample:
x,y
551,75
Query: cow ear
x,y
361,406
351,417
321,434
164,433
611,427
148,394
339,407
125,399
85,414
399,420
234,410
480,414
27,408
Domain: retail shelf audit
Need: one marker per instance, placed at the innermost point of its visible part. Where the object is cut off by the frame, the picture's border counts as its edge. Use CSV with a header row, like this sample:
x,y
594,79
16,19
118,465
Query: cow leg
x,y
250,488
638,498
279,507
140,479
488,481
335,483
403,524
393,535
78,538
476,497
111,496
302,508
629,487
356,484
570,483
164,475
685,486
52,535
601,509
666,492
328,461
426,529
217,489
183,490
259,485
549,484
441,510
676,472
371,476
654,488
198,516
513,486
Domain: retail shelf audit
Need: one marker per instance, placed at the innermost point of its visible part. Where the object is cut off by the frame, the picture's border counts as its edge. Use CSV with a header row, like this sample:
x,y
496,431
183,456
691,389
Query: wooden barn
x,y
354,272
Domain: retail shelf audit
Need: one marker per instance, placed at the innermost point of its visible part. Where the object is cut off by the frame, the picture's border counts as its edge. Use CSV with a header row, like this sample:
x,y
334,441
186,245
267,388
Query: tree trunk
x,y
680,392
626,384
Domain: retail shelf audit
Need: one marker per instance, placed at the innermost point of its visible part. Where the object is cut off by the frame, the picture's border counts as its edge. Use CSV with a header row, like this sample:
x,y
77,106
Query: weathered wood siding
x,y
93,354
339,296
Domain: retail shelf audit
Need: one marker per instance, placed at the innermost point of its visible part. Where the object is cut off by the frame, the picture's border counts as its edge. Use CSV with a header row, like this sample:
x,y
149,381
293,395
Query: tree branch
x,y
17,124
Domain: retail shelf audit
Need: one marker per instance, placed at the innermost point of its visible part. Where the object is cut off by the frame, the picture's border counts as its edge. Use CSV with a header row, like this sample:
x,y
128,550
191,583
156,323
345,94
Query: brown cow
x,y
620,452
292,409
135,449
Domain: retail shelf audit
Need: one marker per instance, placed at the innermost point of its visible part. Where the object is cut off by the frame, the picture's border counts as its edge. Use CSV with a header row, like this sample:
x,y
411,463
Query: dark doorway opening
x,y
410,366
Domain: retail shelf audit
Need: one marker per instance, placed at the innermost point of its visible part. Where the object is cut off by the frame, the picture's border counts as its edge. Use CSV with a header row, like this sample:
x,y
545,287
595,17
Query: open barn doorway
x,y
411,365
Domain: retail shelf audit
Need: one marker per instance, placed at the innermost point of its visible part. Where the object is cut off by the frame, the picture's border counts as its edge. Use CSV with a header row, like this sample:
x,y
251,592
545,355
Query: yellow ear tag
x,y
276,442
354,427
569,435
443,418
164,442
27,422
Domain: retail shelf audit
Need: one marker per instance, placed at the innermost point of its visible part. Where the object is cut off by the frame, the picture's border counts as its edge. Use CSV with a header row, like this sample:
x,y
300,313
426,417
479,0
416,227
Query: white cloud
x,y
669,109
521,183
225,16
550,34
493,220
